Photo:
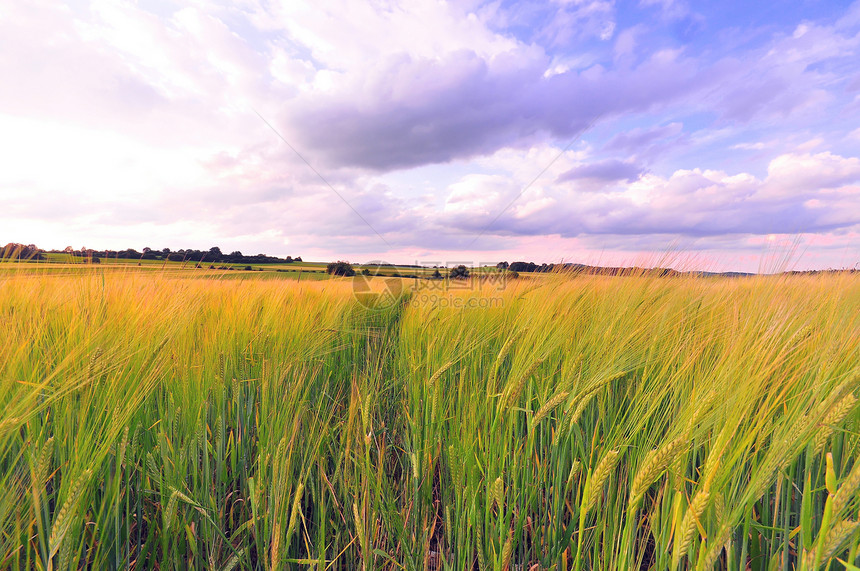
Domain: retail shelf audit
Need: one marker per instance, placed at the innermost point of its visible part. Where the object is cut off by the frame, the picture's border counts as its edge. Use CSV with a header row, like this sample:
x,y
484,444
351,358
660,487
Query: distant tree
x,y
299,259
215,252
249,269
523,267
340,268
502,265
461,272
236,254
21,252
436,275
365,272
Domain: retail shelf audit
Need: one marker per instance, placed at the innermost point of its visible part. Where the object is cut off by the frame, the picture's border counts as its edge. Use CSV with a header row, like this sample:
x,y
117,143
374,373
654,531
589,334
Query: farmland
x,y
176,419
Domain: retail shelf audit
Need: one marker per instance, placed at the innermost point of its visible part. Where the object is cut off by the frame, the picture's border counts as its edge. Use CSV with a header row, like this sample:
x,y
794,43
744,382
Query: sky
x,y
704,135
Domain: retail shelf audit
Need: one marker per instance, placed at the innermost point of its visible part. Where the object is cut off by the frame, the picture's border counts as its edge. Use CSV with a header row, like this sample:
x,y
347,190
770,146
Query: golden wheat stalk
x,y
836,537
8,424
836,414
43,464
574,471
479,539
497,492
507,550
66,514
170,510
580,408
689,525
294,513
506,348
439,373
518,387
548,407
655,463
601,473
845,493
276,547
359,528
713,553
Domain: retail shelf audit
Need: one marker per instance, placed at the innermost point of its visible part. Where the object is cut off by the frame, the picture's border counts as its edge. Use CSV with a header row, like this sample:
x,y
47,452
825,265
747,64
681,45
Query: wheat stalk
x,y
294,513
65,516
507,550
439,373
689,525
837,535
170,511
518,387
359,528
548,407
655,463
845,493
497,492
276,546
43,464
506,348
834,417
580,408
479,533
601,473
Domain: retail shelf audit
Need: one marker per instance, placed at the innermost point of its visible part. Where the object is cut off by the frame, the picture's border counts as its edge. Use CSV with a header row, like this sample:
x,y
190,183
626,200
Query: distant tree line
x,y
585,269
526,267
17,251
213,255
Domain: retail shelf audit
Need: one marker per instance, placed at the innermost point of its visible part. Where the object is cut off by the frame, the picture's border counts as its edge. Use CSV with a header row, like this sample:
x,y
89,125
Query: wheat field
x,y
577,423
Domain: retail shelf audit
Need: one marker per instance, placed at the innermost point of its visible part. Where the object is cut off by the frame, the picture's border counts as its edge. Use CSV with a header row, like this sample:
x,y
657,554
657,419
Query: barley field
x,y
577,423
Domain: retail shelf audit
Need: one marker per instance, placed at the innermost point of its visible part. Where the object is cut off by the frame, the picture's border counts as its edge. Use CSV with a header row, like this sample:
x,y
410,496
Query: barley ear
x,y
66,514
359,528
170,510
548,407
601,473
846,491
497,492
837,536
836,414
439,373
689,525
655,463
43,464
517,388
294,513
507,549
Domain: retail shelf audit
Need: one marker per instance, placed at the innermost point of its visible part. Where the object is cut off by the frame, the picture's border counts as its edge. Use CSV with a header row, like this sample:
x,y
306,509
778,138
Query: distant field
x,y
55,262
172,417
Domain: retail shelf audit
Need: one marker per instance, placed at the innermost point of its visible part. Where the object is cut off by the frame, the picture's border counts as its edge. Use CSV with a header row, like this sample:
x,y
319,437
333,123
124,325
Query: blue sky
x,y
582,130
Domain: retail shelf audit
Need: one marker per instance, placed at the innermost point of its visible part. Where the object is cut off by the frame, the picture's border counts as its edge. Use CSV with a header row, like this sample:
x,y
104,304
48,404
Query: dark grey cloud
x,y
406,111
417,112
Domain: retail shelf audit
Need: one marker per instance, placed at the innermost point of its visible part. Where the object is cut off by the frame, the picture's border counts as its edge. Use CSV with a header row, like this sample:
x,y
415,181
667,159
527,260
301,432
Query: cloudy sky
x,y
722,133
